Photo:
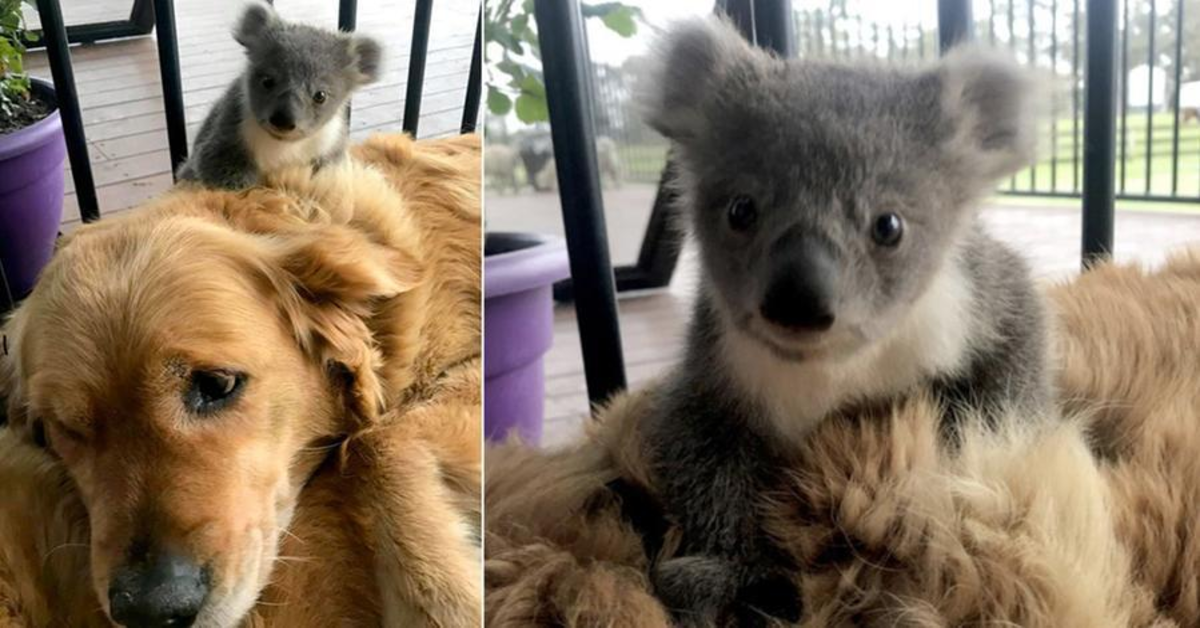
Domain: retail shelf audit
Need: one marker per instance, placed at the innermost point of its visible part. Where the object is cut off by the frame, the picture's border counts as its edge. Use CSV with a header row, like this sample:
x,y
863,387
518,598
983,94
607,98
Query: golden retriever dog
x,y
1084,521
254,408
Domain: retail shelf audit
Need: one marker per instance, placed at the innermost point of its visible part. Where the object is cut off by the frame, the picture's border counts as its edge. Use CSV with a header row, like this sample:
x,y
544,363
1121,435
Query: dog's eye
x,y
887,229
209,391
267,82
320,97
742,213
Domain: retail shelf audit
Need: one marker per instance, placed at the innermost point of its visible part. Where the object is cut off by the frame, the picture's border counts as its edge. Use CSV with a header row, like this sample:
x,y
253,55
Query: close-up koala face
x,y
299,77
825,198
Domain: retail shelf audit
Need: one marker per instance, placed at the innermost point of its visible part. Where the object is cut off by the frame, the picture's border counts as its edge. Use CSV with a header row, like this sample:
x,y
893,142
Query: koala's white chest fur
x,y
270,154
933,338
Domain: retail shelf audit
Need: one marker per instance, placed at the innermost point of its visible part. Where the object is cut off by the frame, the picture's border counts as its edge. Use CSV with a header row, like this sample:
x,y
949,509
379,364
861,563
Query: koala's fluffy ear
x,y
688,66
367,56
256,18
994,105
332,278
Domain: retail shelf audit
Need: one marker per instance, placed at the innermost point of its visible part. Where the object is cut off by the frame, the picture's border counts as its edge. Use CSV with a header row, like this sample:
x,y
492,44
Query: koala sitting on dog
x,y
288,106
843,264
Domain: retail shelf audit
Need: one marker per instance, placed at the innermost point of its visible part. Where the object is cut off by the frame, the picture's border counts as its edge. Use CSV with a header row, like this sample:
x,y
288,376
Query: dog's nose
x,y
282,120
165,590
800,295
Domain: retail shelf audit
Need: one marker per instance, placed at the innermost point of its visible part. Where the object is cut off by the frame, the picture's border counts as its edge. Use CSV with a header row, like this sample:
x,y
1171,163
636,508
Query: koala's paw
x,y
770,596
709,591
698,590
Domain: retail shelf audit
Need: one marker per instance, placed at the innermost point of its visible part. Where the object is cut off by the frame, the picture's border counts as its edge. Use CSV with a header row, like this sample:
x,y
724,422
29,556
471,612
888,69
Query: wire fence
x,y
1158,149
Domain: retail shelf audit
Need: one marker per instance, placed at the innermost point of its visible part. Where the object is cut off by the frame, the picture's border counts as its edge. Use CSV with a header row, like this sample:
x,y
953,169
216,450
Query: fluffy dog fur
x,y
1025,527
368,279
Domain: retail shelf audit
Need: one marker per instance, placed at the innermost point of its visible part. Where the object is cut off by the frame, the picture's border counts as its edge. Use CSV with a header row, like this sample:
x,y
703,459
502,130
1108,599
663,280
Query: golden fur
x,y
1027,527
351,299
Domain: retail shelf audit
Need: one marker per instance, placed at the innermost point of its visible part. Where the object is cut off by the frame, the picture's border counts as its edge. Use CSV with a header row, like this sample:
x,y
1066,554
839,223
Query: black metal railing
x,y
1157,98
1158,151
56,39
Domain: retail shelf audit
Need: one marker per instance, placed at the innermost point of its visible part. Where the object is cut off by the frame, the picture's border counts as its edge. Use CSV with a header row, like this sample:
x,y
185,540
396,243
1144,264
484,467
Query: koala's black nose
x,y
793,303
282,120
800,295
164,590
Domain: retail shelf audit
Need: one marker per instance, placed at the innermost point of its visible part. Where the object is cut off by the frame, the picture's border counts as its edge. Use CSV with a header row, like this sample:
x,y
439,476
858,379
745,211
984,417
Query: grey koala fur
x,y
270,117
822,150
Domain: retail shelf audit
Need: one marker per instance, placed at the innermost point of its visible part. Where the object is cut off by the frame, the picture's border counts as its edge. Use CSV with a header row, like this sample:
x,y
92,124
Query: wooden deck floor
x,y
653,325
121,95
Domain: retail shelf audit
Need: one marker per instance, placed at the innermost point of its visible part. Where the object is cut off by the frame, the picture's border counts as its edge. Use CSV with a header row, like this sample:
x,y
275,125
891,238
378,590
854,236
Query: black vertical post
x,y
773,26
1123,85
568,97
1150,97
1179,29
1053,108
416,65
1032,62
347,15
474,81
347,23
141,16
55,35
769,24
1075,96
172,83
7,303
955,23
1099,131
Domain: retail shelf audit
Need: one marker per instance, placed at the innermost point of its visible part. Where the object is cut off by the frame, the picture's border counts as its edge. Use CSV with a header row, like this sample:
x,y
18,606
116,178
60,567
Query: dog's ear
x,y
367,59
14,411
993,106
7,381
256,18
335,279
690,65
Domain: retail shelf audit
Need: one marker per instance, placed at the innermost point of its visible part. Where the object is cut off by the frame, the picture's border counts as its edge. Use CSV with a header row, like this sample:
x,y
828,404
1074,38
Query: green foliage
x,y
511,25
14,81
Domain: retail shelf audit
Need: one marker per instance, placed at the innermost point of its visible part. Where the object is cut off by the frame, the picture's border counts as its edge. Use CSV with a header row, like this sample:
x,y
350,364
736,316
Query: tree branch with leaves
x,y
516,82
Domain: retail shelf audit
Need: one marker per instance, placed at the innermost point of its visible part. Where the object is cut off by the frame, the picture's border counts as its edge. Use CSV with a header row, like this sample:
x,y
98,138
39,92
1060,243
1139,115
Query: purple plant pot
x,y
31,195
519,274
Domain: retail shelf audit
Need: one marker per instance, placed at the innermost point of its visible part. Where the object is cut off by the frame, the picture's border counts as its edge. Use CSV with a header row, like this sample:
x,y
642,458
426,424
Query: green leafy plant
x,y
511,25
14,81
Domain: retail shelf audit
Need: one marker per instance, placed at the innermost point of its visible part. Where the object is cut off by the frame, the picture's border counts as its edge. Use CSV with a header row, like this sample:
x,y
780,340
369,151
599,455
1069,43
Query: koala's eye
x,y
267,82
887,229
742,213
320,97
209,391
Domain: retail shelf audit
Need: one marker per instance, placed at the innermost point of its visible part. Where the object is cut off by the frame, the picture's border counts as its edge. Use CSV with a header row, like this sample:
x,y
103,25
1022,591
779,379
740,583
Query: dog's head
x,y
191,377
826,196
299,77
